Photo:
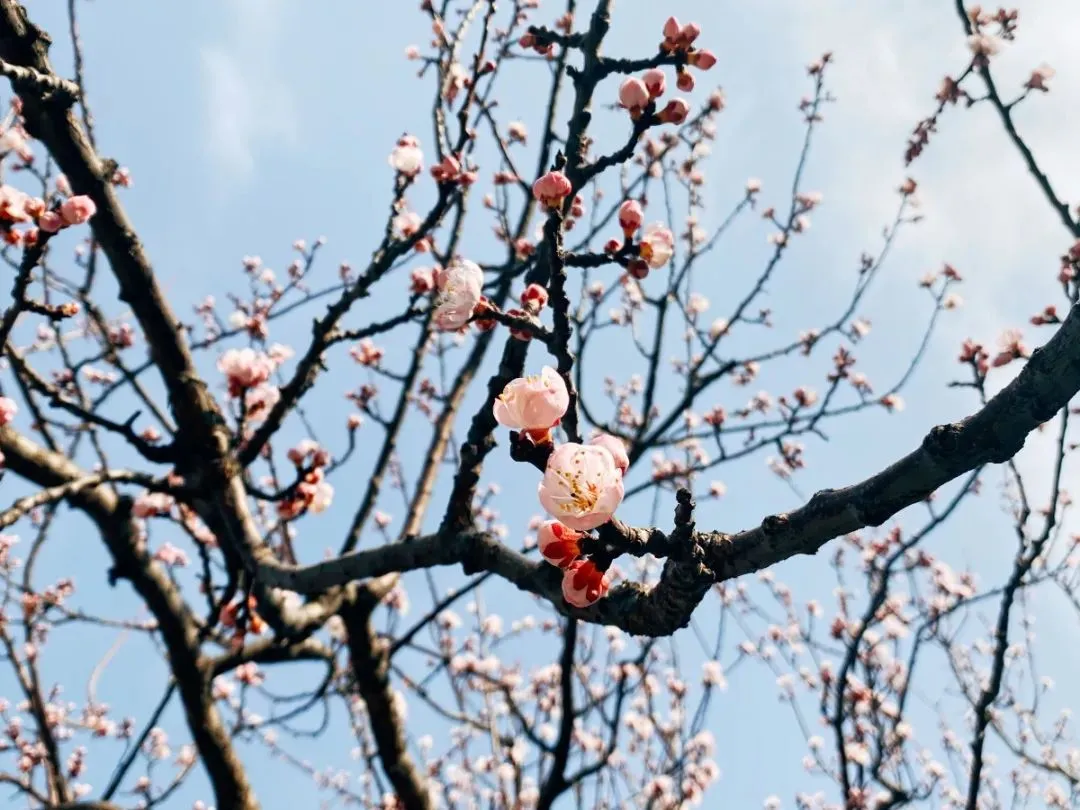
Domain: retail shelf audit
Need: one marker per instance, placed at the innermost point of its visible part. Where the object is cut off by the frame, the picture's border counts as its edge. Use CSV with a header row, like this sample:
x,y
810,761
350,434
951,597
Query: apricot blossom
x,y
460,288
582,486
657,245
533,404
244,369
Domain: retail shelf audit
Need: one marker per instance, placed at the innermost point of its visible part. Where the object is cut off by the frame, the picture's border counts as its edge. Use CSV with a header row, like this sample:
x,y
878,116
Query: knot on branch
x,y
773,524
942,441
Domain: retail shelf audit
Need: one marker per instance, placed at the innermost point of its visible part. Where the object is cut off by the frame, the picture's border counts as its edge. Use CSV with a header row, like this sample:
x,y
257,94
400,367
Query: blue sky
x,y
250,123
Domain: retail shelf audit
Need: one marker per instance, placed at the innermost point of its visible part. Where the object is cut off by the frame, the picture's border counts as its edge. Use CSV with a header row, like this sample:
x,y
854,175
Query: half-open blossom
x,y
460,288
583,584
77,210
533,404
657,245
654,81
634,96
244,368
558,544
631,216
582,486
552,188
675,112
8,409
615,446
407,157
1039,77
422,280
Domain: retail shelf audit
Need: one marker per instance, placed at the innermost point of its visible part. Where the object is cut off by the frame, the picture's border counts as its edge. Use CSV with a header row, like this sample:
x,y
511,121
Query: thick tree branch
x,y
132,561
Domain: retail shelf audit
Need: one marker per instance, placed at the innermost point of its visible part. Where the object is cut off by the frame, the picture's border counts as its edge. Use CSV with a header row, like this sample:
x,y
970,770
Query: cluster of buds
x,y
17,207
312,493
584,583
537,43
679,39
449,170
653,250
242,618
638,96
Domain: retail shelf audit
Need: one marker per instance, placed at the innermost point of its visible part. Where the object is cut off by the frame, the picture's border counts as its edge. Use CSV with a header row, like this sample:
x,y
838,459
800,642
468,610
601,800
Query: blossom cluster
x,y
582,484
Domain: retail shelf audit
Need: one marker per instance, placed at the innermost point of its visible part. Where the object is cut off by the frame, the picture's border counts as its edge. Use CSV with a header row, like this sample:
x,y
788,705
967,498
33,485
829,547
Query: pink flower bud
x,y
633,95
689,33
684,81
672,28
655,82
50,222
551,189
534,298
702,60
675,112
631,216
77,210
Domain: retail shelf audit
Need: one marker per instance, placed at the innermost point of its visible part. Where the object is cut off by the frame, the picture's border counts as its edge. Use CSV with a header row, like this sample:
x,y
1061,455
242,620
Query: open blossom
x,y
407,157
634,96
582,486
13,204
533,404
552,188
657,245
8,409
583,583
631,216
558,543
460,288
244,368
259,401
616,447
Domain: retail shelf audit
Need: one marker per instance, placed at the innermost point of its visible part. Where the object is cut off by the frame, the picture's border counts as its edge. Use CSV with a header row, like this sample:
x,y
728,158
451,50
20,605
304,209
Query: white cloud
x,y
248,101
